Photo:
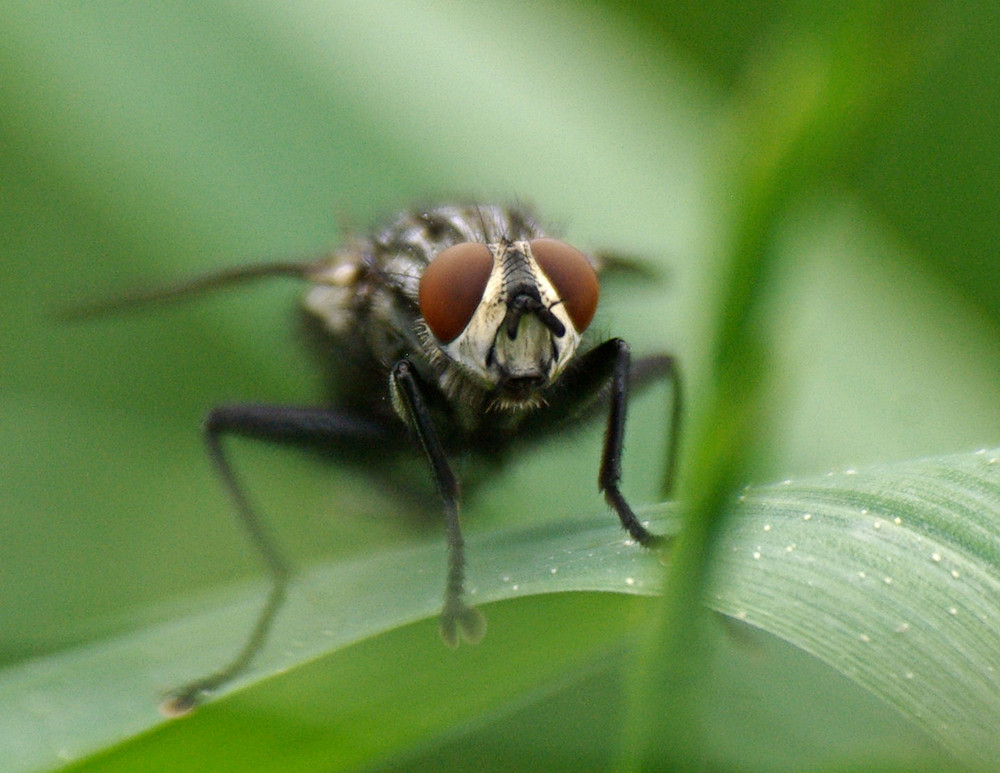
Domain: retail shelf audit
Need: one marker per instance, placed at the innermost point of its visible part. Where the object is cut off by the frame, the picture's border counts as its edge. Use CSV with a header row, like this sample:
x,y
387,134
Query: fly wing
x,y
216,280
616,264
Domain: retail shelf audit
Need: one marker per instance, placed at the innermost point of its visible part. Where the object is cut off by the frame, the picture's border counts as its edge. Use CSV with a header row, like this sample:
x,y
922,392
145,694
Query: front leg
x,y
608,366
457,618
609,477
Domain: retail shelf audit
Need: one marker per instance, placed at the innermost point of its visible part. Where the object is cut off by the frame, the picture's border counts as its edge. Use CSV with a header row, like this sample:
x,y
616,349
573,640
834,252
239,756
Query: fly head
x,y
509,314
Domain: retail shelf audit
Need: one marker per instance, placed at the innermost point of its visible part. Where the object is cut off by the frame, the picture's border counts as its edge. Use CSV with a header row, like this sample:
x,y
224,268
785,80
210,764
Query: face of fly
x,y
509,315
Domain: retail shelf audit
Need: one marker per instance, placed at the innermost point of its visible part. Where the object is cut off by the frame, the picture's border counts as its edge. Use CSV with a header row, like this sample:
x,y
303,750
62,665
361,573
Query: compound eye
x,y
572,276
452,287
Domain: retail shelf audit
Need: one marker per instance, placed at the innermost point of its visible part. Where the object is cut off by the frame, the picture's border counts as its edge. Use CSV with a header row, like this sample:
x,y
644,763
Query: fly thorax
x,y
332,296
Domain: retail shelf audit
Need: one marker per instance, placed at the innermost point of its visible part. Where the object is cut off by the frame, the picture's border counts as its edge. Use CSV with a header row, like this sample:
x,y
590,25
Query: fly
x,y
455,330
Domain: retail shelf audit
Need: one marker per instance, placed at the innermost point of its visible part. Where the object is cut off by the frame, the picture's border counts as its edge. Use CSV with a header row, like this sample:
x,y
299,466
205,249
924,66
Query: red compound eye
x,y
452,287
572,276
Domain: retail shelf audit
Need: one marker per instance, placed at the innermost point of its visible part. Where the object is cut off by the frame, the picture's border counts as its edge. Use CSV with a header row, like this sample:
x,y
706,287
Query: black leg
x,y
457,618
608,366
610,473
274,423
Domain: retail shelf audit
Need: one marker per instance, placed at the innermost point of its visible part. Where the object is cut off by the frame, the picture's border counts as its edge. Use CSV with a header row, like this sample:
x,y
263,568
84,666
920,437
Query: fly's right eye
x,y
452,287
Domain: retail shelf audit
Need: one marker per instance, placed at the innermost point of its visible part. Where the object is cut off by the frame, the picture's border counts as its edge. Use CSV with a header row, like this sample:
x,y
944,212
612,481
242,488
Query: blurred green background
x,y
146,142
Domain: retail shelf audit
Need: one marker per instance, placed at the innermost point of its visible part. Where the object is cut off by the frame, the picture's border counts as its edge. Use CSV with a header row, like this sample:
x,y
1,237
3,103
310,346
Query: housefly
x,y
454,330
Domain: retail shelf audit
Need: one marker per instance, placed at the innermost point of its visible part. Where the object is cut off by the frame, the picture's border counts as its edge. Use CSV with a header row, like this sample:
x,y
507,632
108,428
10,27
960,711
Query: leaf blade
x,y
922,642
890,576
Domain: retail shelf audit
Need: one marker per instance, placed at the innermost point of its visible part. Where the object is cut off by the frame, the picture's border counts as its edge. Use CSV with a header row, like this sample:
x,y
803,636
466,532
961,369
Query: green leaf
x,y
891,576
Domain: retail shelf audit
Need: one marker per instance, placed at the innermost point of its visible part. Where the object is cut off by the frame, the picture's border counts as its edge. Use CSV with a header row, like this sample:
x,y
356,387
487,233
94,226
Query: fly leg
x,y
458,619
277,424
610,473
608,366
